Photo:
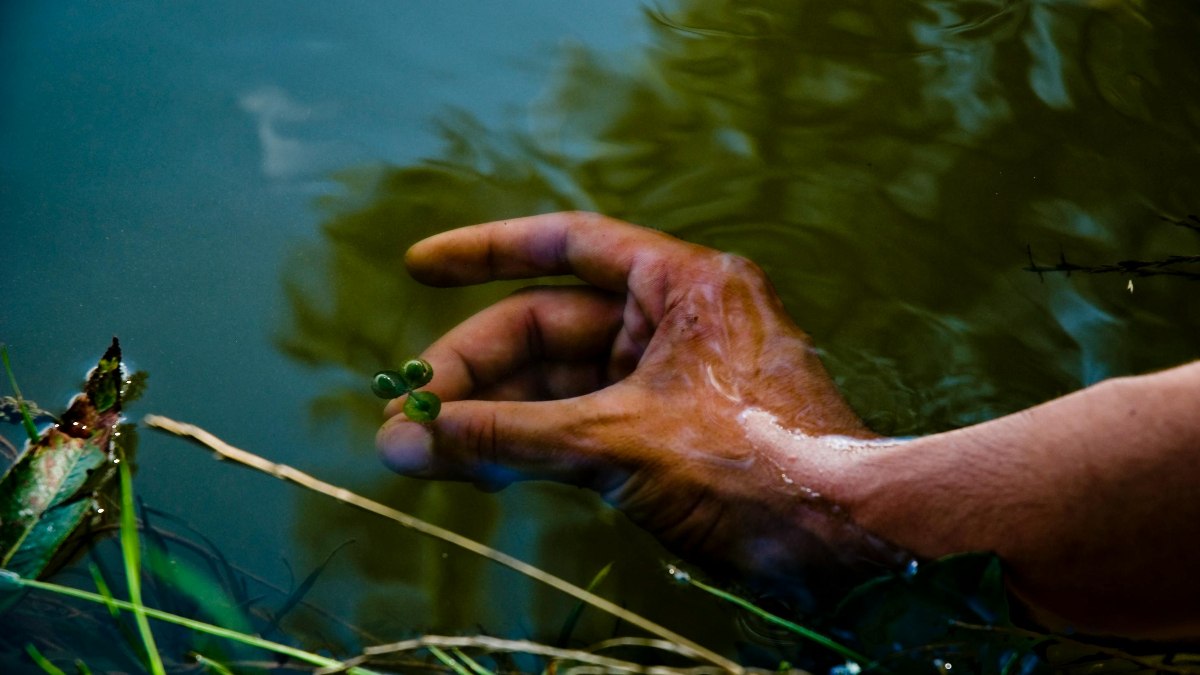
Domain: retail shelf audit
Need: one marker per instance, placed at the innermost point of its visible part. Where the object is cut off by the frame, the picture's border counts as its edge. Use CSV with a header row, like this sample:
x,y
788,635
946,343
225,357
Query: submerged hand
x,y
672,382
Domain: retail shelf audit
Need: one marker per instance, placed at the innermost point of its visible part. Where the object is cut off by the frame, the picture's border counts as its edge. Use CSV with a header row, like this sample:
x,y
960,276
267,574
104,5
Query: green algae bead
x,y
422,406
417,372
389,384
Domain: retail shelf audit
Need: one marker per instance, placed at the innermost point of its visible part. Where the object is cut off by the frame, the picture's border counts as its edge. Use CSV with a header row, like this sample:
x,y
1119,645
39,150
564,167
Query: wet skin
x,y
673,383
633,385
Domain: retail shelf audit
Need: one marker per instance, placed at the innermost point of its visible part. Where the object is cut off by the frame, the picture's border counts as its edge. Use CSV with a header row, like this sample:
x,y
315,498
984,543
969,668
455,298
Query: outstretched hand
x,y
671,381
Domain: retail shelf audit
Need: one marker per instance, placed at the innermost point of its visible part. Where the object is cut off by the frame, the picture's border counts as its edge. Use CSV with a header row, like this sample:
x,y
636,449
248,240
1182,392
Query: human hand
x,y
672,382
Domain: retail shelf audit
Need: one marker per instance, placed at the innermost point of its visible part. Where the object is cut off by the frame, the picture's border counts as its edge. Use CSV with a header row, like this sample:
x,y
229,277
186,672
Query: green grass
x,y
953,610
132,556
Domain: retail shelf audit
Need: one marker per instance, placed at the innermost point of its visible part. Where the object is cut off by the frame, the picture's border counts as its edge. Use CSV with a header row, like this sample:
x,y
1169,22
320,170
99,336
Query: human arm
x,y
1091,500
674,384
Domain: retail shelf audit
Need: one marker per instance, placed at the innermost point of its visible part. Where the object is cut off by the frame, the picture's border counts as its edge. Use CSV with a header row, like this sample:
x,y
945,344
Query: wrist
x,y
825,479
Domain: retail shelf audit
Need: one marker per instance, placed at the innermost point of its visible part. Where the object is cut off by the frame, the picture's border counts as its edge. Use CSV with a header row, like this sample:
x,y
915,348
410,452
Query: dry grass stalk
x,y
491,644
288,473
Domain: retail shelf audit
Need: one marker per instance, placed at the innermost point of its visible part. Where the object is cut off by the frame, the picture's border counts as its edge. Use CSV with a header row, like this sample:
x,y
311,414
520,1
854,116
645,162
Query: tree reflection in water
x,y
887,163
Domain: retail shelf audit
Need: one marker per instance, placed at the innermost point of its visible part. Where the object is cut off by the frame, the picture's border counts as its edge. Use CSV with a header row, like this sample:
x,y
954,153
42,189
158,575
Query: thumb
x,y
493,443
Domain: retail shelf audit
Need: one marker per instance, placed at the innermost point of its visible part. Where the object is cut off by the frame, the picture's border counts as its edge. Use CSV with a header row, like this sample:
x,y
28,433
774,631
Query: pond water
x,y
229,188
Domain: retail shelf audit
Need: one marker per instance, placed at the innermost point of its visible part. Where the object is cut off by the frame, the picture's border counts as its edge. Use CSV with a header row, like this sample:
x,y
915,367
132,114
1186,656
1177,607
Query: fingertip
x,y
416,253
404,447
449,258
414,258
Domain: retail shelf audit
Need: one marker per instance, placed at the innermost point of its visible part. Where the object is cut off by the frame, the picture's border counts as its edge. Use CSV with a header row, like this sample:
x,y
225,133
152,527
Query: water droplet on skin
x,y
785,478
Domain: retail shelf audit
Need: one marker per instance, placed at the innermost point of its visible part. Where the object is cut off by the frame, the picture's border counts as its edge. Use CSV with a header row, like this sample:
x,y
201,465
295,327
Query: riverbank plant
x,y
945,616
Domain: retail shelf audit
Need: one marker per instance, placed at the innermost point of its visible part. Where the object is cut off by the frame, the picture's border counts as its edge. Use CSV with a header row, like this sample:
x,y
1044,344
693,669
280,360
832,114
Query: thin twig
x,y
647,643
288,473
492,644
11,453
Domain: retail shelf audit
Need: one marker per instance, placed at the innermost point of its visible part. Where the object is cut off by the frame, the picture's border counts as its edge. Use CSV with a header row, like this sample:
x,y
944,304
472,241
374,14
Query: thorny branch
x,y
1168,266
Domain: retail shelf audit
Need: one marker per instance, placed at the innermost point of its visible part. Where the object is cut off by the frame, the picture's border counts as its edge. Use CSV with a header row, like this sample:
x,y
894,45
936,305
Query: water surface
x,y
230,189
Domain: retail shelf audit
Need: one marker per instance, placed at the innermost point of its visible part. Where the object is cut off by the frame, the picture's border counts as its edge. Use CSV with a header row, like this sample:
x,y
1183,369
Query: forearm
x,y
1091,500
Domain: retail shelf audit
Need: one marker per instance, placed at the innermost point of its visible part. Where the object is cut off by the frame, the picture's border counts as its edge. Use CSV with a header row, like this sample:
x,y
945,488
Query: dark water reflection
x,y
890,164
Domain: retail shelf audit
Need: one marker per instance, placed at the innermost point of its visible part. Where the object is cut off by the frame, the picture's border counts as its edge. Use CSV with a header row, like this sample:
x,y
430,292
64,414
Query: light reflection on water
x,y
888,164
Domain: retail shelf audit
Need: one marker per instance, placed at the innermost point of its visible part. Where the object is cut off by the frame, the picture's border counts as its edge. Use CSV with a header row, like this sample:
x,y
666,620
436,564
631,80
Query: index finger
x,y
602,251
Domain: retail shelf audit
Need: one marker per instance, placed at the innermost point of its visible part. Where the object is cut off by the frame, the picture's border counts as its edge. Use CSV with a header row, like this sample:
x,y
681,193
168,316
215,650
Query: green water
x,y
232,193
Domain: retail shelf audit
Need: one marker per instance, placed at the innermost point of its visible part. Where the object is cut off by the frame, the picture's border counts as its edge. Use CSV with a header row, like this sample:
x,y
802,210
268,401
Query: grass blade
x,y
26,419
293,475
448,660
796,628
471,663
131,553
302,590
564,635
209,664
8,579
43,662
102,587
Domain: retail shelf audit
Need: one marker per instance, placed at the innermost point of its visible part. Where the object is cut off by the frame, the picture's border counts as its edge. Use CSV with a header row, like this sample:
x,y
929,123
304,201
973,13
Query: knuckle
x,y
583,218
480,440
742,271
741,267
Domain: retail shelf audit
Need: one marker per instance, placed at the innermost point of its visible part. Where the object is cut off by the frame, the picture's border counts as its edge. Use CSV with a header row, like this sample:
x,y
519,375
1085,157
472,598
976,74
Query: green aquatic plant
x,y
10,581
48,492
679,643
131,551
950,613
421,406
806,633
23,408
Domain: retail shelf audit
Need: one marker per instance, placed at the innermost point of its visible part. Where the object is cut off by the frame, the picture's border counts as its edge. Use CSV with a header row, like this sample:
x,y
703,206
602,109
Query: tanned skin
x,y
672,382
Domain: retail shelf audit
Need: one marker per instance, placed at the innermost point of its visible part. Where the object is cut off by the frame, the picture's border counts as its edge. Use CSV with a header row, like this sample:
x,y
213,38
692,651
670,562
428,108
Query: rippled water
x,y
230,190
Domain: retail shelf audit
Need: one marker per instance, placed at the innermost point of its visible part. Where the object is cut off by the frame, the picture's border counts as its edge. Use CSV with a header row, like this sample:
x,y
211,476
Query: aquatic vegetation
x,y
49,490
420,406
859,152
939,616
22,410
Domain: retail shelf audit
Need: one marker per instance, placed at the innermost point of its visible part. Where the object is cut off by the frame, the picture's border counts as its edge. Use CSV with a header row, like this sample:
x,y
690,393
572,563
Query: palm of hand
x,y
664,385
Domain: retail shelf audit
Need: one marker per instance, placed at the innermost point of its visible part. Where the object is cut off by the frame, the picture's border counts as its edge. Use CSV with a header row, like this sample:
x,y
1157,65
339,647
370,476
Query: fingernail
x,y
405,447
